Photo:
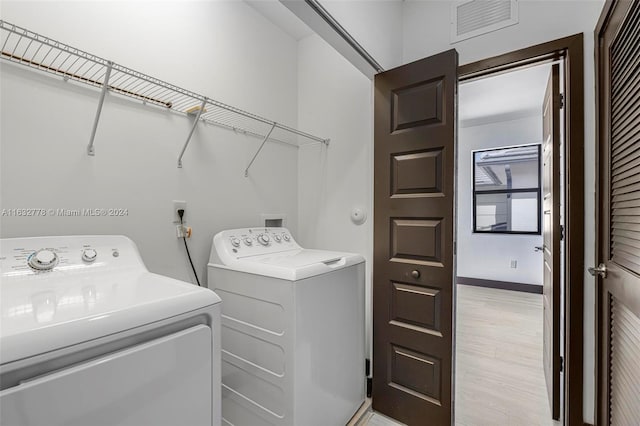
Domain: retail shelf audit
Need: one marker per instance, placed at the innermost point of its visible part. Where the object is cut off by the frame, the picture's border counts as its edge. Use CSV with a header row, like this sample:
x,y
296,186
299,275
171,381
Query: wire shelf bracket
x,y
105,88
246,171
37,52
193,128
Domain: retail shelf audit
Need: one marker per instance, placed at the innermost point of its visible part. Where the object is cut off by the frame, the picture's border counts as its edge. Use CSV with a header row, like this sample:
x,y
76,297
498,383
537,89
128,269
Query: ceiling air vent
x,y
475,17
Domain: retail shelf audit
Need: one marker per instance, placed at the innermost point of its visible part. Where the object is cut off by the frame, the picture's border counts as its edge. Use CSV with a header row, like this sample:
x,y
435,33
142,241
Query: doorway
x,y
569,51
508,312
408,298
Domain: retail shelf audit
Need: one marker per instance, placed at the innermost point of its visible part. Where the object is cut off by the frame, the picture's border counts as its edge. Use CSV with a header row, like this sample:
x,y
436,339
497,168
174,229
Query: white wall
x,y
488,256
426,27
375,24
335,99
224,50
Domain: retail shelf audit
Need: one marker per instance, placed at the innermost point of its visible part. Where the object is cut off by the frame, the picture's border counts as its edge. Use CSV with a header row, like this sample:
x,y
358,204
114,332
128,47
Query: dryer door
x,y
167,381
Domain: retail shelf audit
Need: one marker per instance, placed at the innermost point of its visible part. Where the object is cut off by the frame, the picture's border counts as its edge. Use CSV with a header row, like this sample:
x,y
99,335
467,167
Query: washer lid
x,y
47,313
273,252
294,265
297,259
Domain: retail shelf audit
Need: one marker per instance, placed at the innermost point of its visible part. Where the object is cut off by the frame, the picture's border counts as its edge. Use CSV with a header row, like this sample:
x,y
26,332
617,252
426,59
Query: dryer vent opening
x,y
273,220
273,223
473,18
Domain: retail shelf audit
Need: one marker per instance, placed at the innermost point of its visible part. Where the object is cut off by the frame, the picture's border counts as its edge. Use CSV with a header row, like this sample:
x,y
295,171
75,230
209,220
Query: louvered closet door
x,y
619,214
624,372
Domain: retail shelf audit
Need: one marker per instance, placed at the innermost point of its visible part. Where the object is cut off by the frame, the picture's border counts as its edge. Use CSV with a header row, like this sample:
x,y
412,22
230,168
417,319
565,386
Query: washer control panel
x,y
89,255
254,241
43,260
37,255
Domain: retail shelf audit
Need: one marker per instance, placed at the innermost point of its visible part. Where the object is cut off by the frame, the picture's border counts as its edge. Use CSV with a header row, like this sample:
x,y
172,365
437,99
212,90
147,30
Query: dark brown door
x,y
618,262
415,122
551,237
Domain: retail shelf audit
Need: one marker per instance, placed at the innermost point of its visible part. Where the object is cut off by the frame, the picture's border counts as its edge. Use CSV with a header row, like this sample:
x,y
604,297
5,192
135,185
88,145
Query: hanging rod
x,y
25,47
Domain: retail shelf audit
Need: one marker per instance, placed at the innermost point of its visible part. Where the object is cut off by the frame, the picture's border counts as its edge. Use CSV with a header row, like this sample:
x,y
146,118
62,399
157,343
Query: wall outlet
x,y
514,264
179,204
183,231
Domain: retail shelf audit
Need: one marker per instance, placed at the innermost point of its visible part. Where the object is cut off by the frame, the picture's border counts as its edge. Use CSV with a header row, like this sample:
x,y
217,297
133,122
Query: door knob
x,y
600,270
539,248
415,274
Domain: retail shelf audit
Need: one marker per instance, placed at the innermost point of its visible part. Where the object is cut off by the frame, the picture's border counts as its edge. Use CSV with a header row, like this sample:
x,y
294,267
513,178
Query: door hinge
x,y
367,372
561,100
561,232
561,364
455,248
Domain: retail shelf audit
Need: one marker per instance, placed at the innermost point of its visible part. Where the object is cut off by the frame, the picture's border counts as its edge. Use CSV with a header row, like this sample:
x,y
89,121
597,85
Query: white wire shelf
x,y
22,46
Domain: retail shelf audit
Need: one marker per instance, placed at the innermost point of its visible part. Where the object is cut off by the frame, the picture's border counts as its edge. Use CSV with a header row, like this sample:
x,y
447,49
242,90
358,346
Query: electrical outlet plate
x,y
183,231
514,264
177,205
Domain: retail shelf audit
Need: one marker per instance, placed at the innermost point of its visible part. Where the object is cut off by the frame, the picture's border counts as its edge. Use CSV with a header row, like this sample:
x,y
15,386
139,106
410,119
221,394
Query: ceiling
x,y
281,17
507,96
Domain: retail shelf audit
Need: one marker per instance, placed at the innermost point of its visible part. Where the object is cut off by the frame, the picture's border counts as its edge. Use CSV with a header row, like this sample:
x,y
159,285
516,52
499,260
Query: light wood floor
x,y
377,419
499,375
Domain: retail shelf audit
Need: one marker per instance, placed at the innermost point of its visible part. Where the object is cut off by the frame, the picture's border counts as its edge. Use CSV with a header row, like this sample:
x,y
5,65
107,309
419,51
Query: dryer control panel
x,y
20,256
245,242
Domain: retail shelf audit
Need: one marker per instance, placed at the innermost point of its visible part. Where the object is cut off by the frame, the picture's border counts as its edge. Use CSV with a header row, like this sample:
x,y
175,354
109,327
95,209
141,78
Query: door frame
x,y
571,51
602,109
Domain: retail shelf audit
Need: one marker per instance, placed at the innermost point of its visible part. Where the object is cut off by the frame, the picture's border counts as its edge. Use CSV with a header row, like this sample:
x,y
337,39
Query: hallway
x,y
499,374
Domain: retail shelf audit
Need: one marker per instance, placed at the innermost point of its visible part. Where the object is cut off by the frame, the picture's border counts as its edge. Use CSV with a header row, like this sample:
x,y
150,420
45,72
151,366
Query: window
x,y
506,190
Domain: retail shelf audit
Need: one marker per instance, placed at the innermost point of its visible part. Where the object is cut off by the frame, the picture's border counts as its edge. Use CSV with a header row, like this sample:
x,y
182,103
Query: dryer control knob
x,y
43,260
248,241
264,239
277,237
89,255
235,242
286,237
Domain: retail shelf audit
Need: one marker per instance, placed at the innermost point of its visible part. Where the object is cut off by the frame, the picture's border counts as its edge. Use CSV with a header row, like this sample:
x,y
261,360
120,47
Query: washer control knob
x,y
89,255
247,241
286,237
235,242
43,260
264,239
278,238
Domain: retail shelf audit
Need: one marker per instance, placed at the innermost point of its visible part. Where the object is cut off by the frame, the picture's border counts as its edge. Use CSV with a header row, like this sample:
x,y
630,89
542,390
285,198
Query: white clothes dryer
x,y
88,336
292,330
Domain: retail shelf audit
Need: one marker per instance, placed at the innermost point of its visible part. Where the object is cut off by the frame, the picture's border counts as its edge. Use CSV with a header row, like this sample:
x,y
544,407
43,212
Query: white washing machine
x,y
292,330
88,336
